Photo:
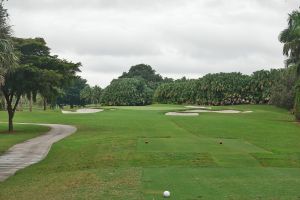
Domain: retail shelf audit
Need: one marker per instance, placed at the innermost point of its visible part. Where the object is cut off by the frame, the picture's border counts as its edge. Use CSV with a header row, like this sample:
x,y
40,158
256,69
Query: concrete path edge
x,y
33,150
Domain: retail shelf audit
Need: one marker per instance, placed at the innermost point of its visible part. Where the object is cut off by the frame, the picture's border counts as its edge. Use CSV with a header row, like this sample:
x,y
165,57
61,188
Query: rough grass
x,y
138,152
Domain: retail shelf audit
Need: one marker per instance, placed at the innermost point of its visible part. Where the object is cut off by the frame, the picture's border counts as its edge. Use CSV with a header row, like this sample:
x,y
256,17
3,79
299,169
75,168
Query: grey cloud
x,y
56,5
177,37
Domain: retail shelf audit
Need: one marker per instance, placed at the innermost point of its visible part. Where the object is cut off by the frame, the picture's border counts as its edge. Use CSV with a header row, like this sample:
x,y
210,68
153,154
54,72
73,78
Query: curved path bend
x,y
33,150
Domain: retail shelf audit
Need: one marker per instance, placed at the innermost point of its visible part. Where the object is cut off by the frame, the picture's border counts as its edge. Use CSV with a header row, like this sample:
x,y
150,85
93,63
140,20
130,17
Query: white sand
x,y
227,111
212,111
198,107
249,111
217,111
82,111
181,114
196,112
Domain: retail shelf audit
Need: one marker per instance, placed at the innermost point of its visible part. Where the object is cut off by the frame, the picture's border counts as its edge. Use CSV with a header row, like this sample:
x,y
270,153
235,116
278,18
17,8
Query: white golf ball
x,y
167,194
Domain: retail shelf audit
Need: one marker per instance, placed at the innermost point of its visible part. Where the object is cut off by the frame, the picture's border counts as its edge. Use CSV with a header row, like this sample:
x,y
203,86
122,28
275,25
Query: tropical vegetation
x,y
223,89
291,39
8,58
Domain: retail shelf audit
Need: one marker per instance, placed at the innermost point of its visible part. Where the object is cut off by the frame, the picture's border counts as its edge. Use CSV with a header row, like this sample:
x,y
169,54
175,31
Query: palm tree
x,y
291,48
8,58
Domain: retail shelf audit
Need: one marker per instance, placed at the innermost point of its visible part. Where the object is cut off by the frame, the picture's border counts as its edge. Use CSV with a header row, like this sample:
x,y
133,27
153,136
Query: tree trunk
x,y
45,104
5,104
11,108
30,103
10,120
297,103
20,104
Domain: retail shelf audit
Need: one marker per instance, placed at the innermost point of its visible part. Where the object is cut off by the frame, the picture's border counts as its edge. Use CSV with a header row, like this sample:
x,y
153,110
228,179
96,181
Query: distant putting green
x,y
137,153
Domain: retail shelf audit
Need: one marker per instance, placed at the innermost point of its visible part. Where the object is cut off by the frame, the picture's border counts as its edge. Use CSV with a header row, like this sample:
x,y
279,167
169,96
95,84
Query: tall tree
x,y
291,48
127,92
31,51
283,88
97,93
86,95
54,72
65,73
146,73
17,83
38,72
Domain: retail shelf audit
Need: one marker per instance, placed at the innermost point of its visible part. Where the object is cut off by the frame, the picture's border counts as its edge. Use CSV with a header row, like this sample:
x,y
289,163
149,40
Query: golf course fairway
x,y
137,153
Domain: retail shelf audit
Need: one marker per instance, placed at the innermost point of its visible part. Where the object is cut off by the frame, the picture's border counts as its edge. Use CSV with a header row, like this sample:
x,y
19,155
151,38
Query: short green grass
x,y
137,152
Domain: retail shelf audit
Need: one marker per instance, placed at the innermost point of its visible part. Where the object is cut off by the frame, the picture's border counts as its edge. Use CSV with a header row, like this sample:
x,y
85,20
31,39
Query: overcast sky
x,y
176,37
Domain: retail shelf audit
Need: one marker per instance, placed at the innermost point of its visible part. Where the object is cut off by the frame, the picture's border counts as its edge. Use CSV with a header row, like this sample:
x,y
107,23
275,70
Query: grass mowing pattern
x,y
108,157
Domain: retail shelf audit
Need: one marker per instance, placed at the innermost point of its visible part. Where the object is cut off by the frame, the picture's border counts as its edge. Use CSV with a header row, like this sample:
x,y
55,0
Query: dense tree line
x,y
231,88
275,86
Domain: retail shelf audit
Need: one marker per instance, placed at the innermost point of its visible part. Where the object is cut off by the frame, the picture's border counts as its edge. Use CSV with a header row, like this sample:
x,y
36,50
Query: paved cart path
x,y
32,151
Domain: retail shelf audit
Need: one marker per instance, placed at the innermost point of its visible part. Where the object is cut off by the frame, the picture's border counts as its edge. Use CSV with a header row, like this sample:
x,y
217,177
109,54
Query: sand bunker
x,y
217,111
198,107
249,111
82,111
196,112
181,114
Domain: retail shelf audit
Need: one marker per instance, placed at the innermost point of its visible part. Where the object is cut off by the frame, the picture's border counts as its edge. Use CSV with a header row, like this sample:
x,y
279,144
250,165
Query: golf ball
x,y
167,194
